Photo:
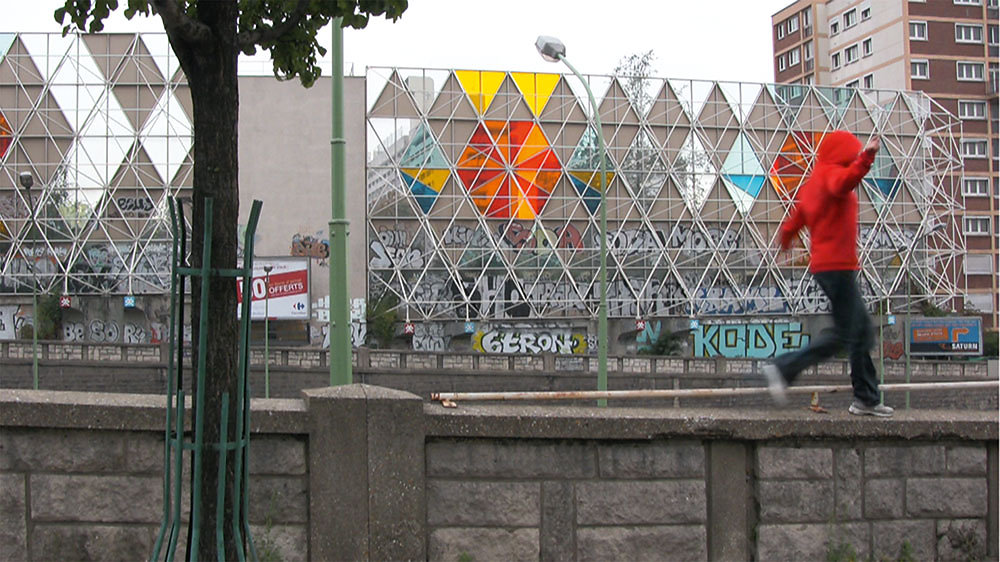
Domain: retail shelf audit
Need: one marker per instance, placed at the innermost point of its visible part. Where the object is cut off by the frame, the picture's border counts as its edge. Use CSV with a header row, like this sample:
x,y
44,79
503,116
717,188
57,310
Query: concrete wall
x,y
366,473
142,369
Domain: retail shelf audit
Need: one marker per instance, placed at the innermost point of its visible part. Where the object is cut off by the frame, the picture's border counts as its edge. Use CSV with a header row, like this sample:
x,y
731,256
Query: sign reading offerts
x,y
946,336
287,285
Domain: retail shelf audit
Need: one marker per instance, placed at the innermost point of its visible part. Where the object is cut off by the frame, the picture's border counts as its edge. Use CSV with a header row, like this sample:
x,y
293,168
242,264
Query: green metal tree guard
x,y
175,441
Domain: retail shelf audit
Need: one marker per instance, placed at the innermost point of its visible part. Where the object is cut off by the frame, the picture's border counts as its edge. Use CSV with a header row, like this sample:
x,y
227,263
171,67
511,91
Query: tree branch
x,y
176,22
266,34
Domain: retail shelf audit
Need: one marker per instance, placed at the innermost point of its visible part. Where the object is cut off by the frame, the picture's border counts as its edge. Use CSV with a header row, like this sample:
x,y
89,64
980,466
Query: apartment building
x,y
945,48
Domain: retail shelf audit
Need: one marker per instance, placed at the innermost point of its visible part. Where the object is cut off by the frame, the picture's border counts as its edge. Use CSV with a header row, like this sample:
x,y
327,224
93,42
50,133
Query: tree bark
x,y
211,70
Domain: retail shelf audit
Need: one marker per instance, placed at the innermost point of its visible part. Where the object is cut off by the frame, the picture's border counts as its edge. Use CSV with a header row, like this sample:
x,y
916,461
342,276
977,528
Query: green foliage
x,y
906,553
991,346
48,320
931,310
966,542
267,547
669,343
381,318
285,28
465,557
841,552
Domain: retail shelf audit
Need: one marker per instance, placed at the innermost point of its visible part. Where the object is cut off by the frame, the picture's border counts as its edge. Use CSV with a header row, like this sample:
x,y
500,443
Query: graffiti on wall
x,y
497,296
319,326
892,343
390,249
135,206
312,246
750,340
428,336
531,341
648,335
12,319
100,266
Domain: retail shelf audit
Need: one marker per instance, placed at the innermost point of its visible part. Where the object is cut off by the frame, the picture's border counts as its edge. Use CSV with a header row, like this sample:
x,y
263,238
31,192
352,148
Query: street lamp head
x,y
25,179
550,48
268,268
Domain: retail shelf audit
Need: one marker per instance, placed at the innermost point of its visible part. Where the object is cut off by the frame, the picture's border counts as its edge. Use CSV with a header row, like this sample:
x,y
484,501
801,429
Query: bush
x,y
668,343
991,347
381,317
47,319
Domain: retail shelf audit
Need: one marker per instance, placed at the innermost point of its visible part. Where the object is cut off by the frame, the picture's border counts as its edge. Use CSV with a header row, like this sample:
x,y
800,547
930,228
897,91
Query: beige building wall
x,y
284,145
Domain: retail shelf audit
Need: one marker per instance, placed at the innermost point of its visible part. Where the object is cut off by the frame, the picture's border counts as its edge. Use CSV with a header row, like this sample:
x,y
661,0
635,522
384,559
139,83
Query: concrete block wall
x,y
875,498
584,500
81,478
367,473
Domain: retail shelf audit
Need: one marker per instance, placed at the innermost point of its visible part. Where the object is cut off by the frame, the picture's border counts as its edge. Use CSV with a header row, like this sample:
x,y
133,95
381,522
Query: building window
x,y
920,69
977,225
781,63
976,187
968,2
793,57
994,35
806,17
793,24
781,31
974,148
970,71
869,81
834,27
807,50
866,47
851,54
979,264
850,18
852,84
971,109
982,302
918,30
808,79
968,33
835,61
866,13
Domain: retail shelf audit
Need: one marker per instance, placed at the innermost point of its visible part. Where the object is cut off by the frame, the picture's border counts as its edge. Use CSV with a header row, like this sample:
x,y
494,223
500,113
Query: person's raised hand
x,y
873,145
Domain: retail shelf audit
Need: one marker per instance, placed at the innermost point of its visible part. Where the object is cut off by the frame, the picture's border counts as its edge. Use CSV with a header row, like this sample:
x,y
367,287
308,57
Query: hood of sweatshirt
x,y
838,148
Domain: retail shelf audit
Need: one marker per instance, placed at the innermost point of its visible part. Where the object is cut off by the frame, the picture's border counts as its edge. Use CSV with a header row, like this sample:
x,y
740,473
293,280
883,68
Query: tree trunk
x,y
211,73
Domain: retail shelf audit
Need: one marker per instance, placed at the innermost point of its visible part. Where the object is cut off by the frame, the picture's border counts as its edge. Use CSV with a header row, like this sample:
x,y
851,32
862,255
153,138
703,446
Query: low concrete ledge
x,y
575,422
134,412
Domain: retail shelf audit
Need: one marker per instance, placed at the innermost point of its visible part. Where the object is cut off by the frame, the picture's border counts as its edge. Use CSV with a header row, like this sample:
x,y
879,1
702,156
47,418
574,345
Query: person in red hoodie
x,y
827,205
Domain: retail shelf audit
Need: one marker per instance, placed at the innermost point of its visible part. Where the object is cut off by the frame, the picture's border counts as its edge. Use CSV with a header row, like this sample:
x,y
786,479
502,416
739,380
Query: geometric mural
x,y
483,194
102,123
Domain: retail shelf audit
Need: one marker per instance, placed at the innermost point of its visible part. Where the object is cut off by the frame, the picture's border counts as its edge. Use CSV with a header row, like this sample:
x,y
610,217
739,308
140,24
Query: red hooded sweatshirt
x,y
828,205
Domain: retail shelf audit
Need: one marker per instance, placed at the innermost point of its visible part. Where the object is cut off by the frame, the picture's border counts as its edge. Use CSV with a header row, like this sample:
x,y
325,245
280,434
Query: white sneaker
x,y
879,410
776,384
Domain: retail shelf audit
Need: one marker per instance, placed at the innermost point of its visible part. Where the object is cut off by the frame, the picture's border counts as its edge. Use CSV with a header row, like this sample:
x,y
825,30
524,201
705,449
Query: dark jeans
x,y
852,331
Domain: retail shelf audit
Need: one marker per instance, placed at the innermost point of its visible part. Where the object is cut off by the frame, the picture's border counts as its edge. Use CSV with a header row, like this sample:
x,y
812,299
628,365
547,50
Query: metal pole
x,y
267,331
906,332
602,315
340,329
34,292
449,397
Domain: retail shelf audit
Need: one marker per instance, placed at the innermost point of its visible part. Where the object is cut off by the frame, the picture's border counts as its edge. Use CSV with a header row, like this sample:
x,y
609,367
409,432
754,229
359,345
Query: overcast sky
x,y
711,39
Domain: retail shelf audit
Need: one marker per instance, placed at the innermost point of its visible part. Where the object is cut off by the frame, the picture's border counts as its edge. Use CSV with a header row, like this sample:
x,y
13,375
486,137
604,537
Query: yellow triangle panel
x,y
537,88
433,179
481,86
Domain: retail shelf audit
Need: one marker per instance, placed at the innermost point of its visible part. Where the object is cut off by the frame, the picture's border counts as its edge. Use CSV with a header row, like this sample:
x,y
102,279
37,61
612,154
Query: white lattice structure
x,y
102,122
482,195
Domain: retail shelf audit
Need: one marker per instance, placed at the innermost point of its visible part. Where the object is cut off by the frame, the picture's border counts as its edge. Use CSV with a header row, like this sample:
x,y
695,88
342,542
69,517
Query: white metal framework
x,y
482,195
102,123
